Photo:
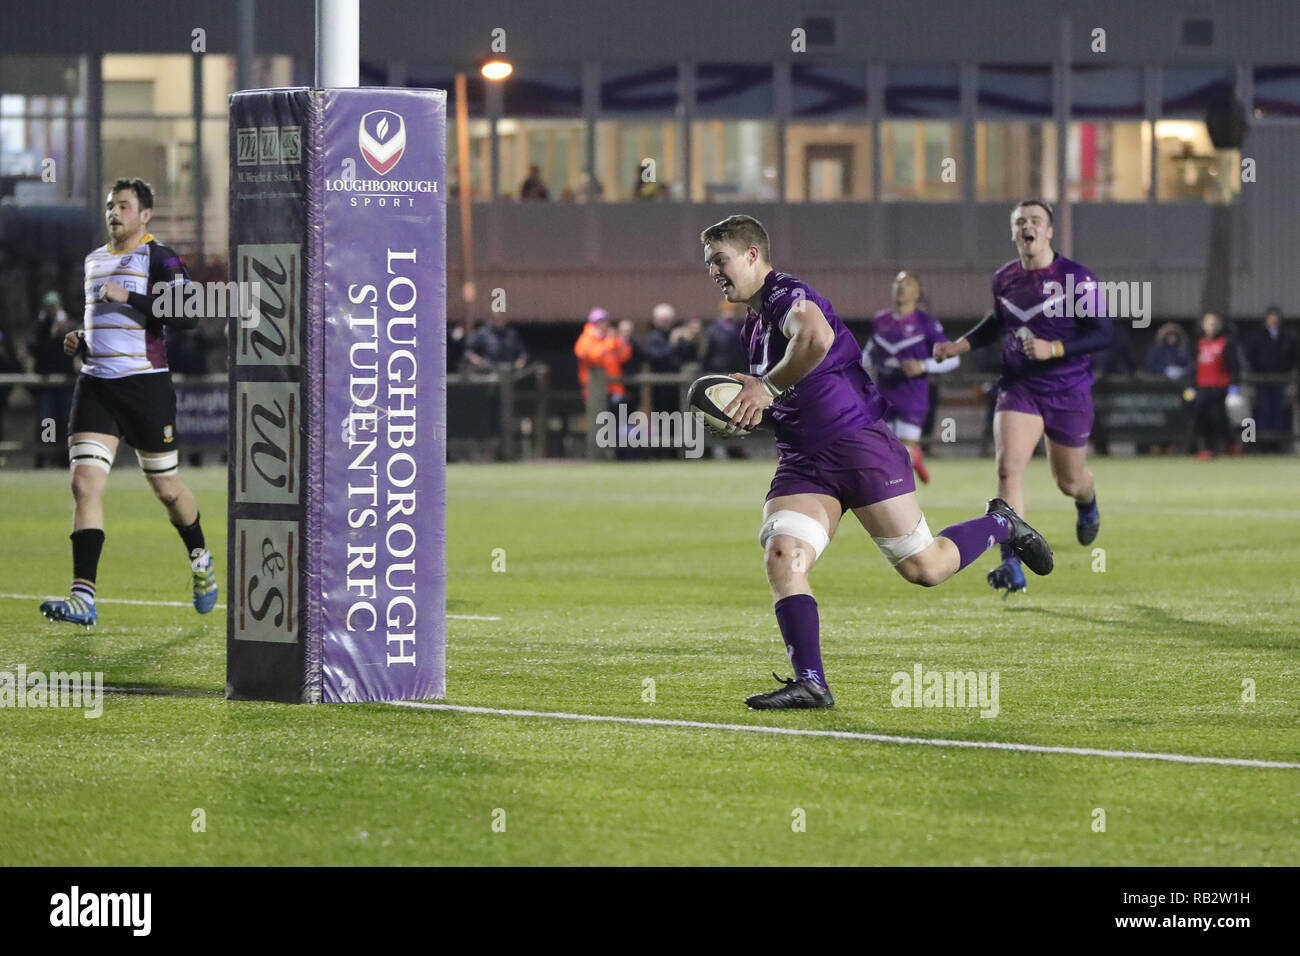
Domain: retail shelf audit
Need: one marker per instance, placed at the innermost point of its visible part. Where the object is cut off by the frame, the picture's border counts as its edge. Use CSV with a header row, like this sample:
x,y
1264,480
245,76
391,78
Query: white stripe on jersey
x,y
1024,315
893,348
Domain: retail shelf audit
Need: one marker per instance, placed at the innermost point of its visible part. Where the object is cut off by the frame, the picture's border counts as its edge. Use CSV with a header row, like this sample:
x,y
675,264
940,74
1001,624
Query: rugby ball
x,y
709,395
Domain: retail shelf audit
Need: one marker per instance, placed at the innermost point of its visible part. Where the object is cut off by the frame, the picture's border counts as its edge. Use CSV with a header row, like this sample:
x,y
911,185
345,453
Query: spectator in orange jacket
x,y
600,345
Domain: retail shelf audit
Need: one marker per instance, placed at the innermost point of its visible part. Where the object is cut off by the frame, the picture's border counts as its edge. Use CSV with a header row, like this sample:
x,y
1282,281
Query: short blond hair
x,y
739,230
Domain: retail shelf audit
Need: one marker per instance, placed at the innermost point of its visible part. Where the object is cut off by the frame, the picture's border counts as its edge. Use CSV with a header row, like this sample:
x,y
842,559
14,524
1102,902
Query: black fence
x,y
511,414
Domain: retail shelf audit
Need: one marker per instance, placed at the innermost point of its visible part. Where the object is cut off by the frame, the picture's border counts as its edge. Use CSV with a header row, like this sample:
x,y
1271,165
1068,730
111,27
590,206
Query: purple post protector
x,y
338,394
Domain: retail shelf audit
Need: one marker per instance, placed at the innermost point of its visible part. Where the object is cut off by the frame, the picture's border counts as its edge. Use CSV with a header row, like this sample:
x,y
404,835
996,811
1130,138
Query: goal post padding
x,y
336,583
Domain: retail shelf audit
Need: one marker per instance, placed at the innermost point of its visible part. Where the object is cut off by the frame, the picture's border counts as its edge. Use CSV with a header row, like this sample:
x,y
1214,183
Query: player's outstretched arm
x,y
987,331
945,351
933,365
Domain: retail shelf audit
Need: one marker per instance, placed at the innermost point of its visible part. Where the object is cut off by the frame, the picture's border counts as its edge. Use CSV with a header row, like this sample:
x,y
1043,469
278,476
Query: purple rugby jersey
x,y
1019,299
893,339
835,399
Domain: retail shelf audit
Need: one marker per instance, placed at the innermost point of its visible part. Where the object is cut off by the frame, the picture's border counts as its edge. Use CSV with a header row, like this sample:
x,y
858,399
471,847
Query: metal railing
x,y
530,419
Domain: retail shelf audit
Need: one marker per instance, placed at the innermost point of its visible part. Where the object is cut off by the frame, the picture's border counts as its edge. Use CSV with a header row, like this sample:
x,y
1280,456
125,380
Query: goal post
x,y
336,584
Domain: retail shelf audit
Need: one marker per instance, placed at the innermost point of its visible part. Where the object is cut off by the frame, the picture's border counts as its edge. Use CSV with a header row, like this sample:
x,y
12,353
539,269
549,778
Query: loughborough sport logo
x,y
382,138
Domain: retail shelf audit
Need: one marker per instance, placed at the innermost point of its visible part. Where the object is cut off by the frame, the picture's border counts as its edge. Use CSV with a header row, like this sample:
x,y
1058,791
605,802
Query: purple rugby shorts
x,y
1067,415
859,469
908,405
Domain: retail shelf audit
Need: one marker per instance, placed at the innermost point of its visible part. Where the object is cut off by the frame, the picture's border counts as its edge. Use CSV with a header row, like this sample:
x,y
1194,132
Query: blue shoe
x,y
74,610
1089,523
1008,577
205,581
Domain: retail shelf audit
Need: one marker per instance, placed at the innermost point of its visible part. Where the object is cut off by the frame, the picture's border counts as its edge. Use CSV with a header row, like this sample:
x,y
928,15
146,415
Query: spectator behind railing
x,y
1271,350
723,350
495,343
599,346
1120,357
455,345
1170,355
725,353
8,363
533,187
669,347
53,404
1216,379
647,187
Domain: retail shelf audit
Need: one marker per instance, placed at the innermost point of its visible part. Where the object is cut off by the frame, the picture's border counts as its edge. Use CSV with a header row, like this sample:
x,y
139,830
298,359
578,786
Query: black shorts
x,y
140,409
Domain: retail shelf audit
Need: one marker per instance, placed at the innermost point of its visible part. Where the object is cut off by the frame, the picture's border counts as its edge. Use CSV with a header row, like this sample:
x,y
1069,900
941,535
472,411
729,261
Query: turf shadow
x,y
134,667
1159,622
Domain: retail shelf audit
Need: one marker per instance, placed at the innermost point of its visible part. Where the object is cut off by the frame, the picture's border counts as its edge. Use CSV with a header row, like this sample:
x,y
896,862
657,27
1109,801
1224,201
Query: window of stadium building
x,y
161,152
1109,162
1277,91
542,140
732,160
148,131
1013,160
828,162
215,188
636,160
43,129
556,149
148,84
1189,168
220,79
42,157
922,89
912,158
480,152
828,92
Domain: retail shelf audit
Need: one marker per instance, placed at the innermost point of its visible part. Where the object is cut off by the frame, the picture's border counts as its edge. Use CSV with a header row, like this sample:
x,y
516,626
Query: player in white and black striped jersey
x,y
125,391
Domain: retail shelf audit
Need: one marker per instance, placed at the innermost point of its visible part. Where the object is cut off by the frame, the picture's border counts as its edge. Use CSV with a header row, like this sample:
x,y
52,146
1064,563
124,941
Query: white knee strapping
x,y
796,525
85,451
905,545
159,466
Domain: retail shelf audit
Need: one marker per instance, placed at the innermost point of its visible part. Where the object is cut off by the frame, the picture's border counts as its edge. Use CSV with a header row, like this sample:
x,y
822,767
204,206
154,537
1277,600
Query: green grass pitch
x,y
619,573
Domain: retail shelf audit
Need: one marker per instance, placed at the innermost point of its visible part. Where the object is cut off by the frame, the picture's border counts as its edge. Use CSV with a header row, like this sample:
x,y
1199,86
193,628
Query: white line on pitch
x,y
853,735
39,597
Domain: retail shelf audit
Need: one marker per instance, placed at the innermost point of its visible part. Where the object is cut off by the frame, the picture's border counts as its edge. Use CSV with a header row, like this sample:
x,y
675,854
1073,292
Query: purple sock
x,y
976,536
797,617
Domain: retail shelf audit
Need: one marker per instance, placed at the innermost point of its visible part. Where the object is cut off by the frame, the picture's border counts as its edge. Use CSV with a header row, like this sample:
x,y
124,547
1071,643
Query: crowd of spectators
x,y
1210,368
1236,374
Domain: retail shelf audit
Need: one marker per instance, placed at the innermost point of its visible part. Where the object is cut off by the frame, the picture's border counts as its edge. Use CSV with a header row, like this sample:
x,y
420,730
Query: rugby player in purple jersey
x,y
836,454
899,360
1049,315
